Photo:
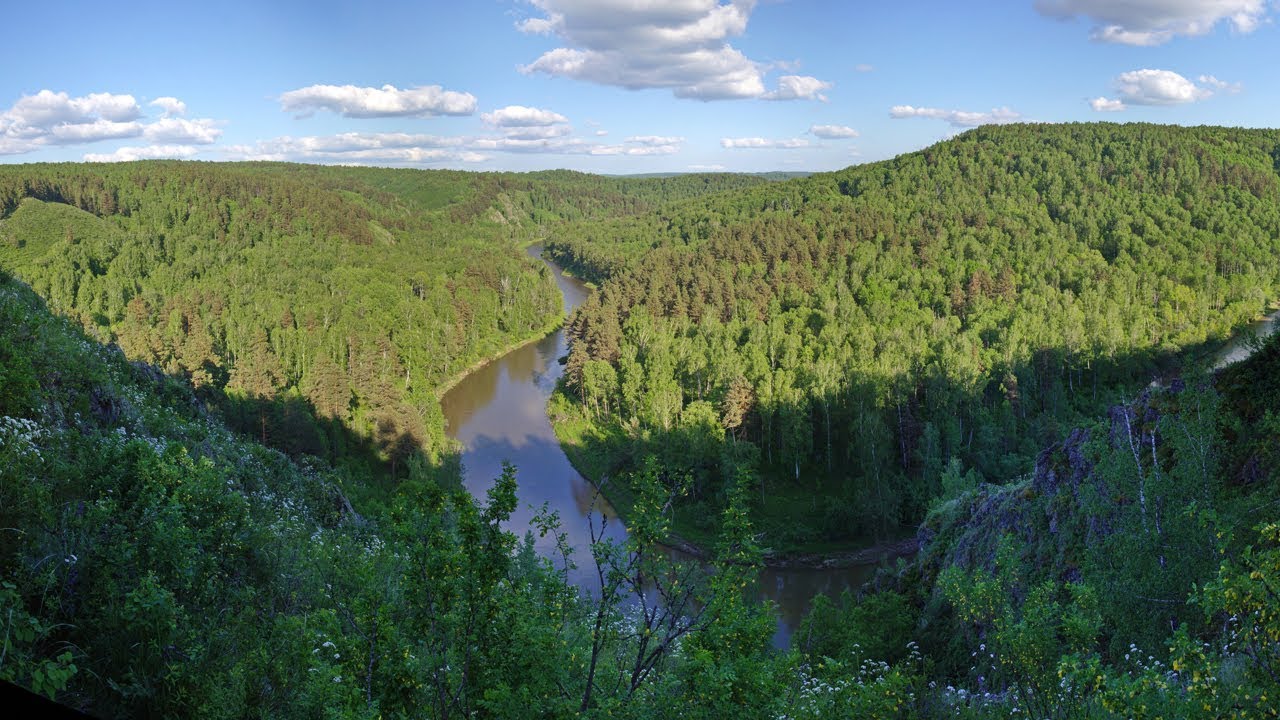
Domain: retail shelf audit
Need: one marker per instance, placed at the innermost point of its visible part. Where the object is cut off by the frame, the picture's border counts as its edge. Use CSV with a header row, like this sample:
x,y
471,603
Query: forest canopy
x,y
225,490
877,337
322,309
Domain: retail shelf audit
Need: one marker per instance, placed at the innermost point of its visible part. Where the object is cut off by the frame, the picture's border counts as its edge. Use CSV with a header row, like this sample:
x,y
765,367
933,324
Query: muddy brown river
x,y
499,413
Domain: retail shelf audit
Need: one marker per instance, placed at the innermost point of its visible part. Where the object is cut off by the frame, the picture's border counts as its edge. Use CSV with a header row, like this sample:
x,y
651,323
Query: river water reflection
x,y
1241,346
499,413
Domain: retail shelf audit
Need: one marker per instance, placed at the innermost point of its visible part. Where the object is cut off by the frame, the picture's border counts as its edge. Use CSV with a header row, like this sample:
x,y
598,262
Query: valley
x,y
291,440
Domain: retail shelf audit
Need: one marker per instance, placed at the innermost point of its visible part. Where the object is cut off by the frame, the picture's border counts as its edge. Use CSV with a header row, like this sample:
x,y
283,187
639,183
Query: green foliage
x,y
852,348
1157,483
879,625
971,302
1019,643
1246,598
25,656
318,312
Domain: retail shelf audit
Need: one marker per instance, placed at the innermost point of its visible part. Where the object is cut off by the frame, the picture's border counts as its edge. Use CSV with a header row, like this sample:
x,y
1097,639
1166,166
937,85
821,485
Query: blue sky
x,y
611,86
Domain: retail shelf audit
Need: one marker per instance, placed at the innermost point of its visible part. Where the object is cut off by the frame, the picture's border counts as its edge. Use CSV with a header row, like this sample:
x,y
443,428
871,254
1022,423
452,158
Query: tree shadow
x,y
864,463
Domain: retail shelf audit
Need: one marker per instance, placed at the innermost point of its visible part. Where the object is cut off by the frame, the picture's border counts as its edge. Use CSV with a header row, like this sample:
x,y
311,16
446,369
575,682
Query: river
x,y
499,413
1241,346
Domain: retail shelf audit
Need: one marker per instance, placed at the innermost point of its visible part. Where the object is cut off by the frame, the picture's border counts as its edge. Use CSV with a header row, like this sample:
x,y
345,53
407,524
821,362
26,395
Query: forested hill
x,y
321,309
858,334
816,359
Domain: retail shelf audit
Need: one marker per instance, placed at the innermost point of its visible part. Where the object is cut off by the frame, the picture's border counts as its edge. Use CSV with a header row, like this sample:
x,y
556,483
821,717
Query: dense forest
x,y
999,343
321,309
868,342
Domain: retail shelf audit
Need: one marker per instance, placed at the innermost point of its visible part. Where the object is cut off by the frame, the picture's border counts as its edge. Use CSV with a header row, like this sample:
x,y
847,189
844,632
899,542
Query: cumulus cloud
x,y
355,148
707,168
346,144
798,87
1158,87
759,143
956,118
1155,22
414,149
55,118
633,150
151,152
181,131
864,67
521,116
680,45
537,132
79,133
1103,104
517,122
833,132
638,145
388,101
47,109
170,105
654,140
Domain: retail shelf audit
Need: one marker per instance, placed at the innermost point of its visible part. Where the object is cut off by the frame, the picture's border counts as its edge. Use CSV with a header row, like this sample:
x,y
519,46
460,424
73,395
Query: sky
x,y
611,86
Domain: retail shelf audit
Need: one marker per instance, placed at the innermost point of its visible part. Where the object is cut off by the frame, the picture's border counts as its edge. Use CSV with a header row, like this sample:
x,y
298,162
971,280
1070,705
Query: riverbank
x,y
497,355
597,452
553,324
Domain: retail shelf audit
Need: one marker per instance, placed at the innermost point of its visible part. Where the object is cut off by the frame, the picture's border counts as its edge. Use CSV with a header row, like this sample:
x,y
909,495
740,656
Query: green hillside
x,y
155,563
225,490
320,309
852,336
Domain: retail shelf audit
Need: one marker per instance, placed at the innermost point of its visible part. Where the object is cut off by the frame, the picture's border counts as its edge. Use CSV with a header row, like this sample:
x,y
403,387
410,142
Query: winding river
x,y
498,413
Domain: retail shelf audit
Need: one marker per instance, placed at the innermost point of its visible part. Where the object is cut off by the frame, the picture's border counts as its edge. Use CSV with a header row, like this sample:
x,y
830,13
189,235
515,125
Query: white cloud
x,y
170,105
1102,104
1158,87
409,149
537,133
415,155
864,67
153,152
521,116
633,150
371,141
179,130
957,118
69,134
354,148
763,143
47,109
680,45
798,87
654,140
1220,85
1154,22
518,122
346,144
833,132
15,146
55,118
707,168
387,101
528,145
